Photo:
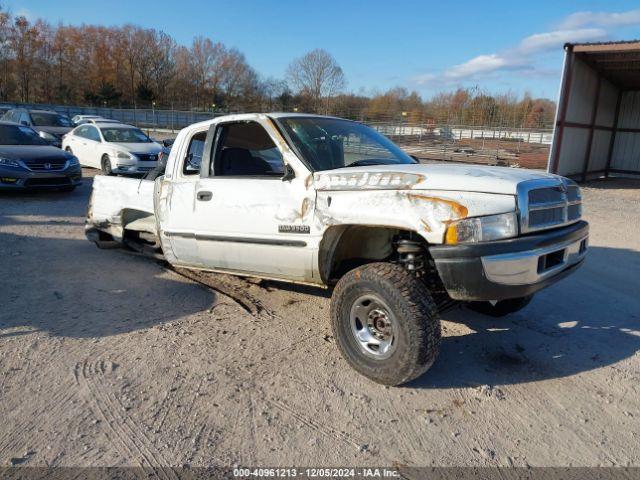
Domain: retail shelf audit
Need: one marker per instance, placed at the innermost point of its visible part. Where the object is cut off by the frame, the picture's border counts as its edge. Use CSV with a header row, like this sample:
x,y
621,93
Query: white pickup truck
x,y
331,202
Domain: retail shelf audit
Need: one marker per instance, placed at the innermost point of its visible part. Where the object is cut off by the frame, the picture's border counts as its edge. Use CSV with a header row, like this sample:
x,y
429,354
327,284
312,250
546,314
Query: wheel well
x,y
346,247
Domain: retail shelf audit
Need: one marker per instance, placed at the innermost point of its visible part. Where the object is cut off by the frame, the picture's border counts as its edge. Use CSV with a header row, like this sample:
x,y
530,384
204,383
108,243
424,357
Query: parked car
x,y
28,161
167,143
331,202
77,120
50,125
4,110
96,121
113,148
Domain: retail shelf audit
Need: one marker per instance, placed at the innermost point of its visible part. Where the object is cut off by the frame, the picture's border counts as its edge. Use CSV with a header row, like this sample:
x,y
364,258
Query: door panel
x,y
176,203
238,227
248,218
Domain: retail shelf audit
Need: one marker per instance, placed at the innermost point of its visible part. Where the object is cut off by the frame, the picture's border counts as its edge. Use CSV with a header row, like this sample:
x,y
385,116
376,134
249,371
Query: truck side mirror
x,y
289,173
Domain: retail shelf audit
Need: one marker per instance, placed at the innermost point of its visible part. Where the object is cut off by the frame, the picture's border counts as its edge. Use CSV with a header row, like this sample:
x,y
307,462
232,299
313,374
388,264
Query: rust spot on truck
x,y
304,209
457,210
308,181
426,226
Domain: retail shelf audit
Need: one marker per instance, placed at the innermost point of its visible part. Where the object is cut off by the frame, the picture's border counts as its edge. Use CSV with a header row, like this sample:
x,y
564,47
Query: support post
x,y
594,115
565,93
612,141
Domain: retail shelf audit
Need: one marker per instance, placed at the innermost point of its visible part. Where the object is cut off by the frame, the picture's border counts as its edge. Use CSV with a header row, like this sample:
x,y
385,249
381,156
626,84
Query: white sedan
x,y
112,147
78,119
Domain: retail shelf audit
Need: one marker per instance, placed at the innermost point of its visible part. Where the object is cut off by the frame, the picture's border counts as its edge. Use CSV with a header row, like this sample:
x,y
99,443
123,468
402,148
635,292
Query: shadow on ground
x,y
587,321
69,288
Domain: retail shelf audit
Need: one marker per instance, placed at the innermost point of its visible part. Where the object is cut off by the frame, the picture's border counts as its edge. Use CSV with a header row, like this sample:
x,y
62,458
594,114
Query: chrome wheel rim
x,y
373,326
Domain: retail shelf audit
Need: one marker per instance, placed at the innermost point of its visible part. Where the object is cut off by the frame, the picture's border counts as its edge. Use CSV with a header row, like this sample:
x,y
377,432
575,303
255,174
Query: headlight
x,y
73,161
482,229
47,136
7,162
126,155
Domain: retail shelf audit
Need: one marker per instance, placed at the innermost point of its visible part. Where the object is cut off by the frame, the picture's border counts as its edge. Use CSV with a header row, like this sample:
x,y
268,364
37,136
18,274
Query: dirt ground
x,y
109,359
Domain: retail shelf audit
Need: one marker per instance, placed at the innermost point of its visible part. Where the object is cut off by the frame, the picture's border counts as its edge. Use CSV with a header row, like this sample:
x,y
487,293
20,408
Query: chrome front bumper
x,y
511,268
521,268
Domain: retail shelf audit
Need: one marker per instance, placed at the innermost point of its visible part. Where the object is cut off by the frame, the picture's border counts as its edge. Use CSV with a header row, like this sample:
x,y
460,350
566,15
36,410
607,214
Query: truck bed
x,y
119,203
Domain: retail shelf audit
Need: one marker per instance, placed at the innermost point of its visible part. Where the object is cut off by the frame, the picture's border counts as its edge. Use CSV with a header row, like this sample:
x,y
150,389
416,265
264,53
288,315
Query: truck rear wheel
x,y
385,323
502,307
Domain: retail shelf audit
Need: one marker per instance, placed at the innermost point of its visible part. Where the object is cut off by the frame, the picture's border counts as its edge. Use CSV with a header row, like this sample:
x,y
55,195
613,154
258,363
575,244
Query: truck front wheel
x,y
385,323
500,308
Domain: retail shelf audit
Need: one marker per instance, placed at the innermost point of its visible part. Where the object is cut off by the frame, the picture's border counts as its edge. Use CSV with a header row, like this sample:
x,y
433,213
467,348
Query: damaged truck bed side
x,y
326,201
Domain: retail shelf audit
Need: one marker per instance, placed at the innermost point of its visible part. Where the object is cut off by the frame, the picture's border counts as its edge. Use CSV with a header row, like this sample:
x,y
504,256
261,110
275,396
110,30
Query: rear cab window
x,y
193,158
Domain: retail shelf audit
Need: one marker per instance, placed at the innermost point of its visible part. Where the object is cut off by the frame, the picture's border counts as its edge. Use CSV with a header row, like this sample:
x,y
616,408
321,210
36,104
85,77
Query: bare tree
x,y
316,75
5,53
25,42
163,63
205,56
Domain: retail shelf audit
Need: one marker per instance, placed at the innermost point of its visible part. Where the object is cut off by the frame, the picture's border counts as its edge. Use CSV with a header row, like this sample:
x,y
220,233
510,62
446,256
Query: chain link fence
x,y
493,145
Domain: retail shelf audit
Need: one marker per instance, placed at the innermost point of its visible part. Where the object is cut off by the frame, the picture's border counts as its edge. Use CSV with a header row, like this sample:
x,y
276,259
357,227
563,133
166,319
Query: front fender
x,y
427,212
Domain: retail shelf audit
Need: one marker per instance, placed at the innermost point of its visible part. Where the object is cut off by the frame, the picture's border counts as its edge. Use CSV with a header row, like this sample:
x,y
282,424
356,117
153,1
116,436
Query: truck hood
x,y
466,178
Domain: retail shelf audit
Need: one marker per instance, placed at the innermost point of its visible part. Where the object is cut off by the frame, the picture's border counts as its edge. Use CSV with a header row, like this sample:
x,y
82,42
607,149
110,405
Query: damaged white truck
x,y
331,202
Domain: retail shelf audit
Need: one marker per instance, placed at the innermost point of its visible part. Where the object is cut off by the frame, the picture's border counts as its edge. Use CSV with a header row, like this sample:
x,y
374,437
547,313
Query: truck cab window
x,y
246,149
192,160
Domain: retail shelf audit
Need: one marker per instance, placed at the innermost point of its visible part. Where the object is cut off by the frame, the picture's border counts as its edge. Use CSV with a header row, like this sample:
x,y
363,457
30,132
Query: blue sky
x,y
428,46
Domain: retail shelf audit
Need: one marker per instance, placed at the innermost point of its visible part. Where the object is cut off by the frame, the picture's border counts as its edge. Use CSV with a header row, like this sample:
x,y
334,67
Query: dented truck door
x,y
177,215
250,216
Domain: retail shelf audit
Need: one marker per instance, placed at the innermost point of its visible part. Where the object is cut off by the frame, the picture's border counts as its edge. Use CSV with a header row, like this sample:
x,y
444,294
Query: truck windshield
x,y
328,143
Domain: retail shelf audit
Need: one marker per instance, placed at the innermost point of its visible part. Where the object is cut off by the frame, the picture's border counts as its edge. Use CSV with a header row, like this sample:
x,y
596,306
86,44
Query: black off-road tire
x,y
501,308
105,164
417,342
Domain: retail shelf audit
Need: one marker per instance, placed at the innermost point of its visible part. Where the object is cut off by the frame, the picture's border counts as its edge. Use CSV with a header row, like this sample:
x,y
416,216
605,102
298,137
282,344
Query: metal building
x,y
597,131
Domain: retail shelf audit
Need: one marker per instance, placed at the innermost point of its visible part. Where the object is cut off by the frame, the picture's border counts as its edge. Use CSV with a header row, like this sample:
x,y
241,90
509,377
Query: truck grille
x,y
547,204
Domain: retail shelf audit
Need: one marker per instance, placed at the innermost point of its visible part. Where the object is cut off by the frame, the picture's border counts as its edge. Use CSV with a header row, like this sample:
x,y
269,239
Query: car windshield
x,y
328,143
41,119
124,135
19,135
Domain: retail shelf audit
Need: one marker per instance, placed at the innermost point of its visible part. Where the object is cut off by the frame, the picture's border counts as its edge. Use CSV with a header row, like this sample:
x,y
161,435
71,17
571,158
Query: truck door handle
x,y
204,196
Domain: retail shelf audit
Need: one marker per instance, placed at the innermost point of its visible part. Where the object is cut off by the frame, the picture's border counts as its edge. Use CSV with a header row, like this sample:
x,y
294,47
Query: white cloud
x,y
552,40
479,64
576,28
603,19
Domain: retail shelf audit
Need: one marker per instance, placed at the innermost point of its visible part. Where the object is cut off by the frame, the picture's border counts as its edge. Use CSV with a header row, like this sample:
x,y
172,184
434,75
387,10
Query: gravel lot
x,y
108,358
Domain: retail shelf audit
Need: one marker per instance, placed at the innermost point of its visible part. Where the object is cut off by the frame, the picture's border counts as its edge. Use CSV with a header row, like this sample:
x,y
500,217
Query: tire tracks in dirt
x,y
238,293
40,419
130,440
